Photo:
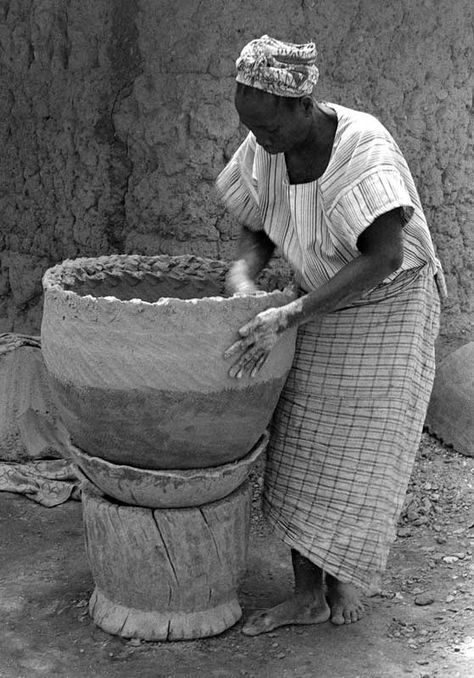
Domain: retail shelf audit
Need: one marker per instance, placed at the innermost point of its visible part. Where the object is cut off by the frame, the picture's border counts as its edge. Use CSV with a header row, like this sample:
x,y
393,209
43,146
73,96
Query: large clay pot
x,y
134,349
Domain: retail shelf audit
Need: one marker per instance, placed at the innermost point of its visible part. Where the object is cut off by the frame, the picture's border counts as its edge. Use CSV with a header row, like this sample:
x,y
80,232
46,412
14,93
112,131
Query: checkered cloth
x,y
348,425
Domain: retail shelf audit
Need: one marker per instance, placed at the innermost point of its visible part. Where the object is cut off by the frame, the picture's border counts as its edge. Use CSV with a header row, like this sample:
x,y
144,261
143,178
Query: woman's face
x,y
279,126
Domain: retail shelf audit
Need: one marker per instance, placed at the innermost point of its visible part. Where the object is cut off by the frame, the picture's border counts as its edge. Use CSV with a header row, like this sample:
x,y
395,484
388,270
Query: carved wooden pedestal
x,y
166,574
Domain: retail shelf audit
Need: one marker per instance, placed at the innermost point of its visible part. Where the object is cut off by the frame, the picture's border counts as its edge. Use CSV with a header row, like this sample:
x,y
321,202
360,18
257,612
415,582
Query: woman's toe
x,y
257,623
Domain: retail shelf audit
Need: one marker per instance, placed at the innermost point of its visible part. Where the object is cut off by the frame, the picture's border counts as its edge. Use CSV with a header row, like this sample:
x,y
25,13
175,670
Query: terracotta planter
x,y
133,346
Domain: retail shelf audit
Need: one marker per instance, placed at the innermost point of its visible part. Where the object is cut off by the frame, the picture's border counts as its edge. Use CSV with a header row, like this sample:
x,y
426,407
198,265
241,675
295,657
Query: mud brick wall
x,y
117,115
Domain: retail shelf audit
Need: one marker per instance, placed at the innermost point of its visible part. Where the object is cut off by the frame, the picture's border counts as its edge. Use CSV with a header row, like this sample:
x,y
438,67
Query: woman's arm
x,y
381,253
254,251
381,248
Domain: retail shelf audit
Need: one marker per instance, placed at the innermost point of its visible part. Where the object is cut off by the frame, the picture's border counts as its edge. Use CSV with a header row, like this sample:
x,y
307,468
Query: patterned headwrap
x,y
280,68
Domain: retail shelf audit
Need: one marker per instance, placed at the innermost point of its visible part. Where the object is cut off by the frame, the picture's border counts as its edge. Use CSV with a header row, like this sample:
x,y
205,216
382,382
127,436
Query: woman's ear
x,y
308,105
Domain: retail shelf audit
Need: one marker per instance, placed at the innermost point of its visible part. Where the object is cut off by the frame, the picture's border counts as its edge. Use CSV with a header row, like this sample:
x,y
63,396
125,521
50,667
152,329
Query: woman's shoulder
x,y
354,125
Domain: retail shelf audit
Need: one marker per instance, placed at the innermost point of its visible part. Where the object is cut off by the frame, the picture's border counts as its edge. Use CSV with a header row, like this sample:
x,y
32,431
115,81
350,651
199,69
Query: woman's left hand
x,y
259,336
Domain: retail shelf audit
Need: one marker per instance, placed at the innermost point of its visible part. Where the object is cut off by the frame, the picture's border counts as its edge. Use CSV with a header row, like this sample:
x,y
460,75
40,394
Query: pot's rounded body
x,y
134,350
451,407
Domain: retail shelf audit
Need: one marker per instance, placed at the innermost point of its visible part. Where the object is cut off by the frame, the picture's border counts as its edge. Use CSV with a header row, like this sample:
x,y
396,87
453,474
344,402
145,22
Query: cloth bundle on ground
x,y
31,461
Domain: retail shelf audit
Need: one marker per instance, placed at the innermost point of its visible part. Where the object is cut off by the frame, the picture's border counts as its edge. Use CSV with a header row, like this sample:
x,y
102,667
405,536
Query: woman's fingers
x,y
249,363
247,332
243,364
240,346
257,338
259,364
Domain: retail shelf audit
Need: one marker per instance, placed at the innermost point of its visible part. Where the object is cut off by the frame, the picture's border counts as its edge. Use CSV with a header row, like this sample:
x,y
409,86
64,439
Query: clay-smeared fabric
x,y
348,425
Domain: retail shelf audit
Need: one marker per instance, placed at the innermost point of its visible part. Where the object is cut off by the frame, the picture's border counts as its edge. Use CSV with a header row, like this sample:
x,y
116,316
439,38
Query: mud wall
x,y
116,116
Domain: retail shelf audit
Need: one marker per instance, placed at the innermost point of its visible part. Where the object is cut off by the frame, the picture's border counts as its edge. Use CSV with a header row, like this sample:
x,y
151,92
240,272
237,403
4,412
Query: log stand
x,y
167,549
166,574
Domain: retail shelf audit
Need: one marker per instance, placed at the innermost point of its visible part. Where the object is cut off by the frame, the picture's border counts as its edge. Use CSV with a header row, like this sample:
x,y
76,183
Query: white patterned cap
x,y
281,68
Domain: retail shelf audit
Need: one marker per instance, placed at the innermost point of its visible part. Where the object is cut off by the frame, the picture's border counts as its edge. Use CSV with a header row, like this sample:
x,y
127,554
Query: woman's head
x,y
280,124
274,84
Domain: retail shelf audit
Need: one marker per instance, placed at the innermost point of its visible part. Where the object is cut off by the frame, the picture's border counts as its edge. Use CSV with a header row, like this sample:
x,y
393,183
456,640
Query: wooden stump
x,y
166,574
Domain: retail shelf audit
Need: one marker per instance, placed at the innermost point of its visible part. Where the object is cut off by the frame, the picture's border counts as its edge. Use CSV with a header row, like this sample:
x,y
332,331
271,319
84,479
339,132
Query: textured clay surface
x,y
451,411
115,118
161,429
146,384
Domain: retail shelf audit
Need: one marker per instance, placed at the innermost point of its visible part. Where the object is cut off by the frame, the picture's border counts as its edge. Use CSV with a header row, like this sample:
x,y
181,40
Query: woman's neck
x,y
309,160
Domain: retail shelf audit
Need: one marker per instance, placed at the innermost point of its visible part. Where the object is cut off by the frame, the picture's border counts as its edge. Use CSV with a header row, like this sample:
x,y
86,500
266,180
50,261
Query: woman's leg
x,y
307,605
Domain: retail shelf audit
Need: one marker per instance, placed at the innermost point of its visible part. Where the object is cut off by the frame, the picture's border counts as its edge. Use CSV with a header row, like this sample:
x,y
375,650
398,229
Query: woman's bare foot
x,y
345,602
301,608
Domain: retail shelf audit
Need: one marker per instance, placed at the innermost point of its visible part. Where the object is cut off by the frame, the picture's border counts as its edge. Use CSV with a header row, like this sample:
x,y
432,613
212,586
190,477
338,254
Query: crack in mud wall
x,y
116,116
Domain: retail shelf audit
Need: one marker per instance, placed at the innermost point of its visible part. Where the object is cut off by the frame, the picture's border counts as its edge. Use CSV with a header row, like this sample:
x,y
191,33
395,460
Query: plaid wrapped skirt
x,y
347,428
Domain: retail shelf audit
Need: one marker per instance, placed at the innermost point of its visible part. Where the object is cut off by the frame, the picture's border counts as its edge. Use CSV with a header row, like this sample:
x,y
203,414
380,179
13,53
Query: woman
x,y
330,188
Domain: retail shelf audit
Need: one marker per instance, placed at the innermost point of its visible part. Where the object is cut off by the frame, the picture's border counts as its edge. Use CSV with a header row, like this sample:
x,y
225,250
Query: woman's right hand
x,y
238,280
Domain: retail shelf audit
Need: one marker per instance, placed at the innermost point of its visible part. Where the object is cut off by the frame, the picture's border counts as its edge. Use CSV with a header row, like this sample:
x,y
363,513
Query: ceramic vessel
x,y
450,413
165,488
134,349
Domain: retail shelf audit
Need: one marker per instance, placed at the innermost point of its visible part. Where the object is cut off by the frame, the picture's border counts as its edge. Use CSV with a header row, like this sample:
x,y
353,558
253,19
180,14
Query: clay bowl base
x,y
165,489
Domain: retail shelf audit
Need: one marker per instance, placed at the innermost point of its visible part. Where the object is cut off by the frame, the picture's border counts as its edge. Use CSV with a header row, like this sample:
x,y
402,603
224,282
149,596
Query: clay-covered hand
x,y
259,336
238,280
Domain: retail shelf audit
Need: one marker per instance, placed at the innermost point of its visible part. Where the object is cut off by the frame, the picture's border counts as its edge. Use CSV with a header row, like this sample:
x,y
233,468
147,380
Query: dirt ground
x,y
422,624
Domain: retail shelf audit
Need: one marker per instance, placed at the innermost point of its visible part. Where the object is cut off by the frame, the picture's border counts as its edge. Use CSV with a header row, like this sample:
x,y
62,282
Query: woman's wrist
x,y
292,314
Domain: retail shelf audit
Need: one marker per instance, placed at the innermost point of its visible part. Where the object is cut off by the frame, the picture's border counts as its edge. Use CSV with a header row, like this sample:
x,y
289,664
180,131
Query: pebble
x,y
404,532
387,594
422,520
424,599
450,559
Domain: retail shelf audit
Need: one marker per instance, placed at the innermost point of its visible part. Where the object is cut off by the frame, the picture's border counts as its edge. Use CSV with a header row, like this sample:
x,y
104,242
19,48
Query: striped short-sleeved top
x,y
316,225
